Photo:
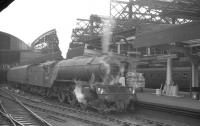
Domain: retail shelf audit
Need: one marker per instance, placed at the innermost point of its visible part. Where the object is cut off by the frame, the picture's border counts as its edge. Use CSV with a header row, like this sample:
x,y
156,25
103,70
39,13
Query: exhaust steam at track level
x,y
79,94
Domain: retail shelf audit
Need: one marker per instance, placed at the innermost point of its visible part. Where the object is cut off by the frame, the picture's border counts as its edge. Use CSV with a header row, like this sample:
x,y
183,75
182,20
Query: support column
x,y
118,48
133,67
195,79
130,10
148,51
169,78
169,71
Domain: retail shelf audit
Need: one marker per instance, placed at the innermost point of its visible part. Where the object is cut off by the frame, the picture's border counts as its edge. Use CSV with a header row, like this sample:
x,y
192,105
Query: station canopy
x,y
186,33
159,34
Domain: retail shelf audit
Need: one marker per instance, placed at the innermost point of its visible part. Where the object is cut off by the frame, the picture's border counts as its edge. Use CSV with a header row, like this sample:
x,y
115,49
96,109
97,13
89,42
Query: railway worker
x,y
123,71
122,79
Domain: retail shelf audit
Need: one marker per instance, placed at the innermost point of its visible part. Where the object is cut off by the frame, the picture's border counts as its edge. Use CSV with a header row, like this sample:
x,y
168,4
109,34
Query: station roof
x,y
152,35
171,34
189,9
9,42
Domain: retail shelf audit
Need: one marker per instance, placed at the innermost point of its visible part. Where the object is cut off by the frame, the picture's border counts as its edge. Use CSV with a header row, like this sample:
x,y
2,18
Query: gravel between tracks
x,y
122,119
76,114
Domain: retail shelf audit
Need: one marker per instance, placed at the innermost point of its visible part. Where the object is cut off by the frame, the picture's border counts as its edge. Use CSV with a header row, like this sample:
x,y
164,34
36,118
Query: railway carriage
x,y
154,77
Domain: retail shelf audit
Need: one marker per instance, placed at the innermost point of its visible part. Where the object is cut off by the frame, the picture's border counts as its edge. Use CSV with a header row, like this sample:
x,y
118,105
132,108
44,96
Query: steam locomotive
x,y
97,81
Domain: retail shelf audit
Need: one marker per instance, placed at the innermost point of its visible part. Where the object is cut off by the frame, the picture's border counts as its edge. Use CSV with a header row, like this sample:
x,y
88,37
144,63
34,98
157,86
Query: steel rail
x,y
76,110
24,116
7,116
110,118
169,109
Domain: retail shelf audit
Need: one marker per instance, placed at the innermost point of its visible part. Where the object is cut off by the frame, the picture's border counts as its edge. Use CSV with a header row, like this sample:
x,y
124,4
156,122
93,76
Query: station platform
x,y
183,103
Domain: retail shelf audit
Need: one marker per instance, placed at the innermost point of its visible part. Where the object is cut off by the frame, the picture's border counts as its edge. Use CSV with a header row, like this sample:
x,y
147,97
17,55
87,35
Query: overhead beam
x,y
145,28
195,77
187,52
176,33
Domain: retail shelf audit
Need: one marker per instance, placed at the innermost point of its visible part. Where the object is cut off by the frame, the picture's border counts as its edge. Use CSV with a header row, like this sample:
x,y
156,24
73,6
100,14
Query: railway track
x,y
175,110
16,114
5,119
76,114
50,107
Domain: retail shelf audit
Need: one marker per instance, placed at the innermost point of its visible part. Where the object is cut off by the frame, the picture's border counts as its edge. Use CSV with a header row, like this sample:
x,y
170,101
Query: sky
x,y
28,19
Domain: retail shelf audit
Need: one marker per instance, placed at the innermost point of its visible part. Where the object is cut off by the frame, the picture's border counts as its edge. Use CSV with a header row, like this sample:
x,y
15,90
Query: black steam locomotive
x,y
85,80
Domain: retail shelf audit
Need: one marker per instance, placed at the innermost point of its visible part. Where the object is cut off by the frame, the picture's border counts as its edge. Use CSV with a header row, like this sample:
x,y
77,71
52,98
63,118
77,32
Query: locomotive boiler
x,y
85,80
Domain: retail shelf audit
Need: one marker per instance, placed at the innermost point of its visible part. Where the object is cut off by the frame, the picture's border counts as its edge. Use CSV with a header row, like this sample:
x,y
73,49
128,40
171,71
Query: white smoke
x,y
106,65
107,34
79,94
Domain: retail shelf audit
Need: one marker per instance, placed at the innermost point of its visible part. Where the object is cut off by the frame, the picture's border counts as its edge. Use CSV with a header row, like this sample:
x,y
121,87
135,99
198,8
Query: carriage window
x,y
184,75
144,75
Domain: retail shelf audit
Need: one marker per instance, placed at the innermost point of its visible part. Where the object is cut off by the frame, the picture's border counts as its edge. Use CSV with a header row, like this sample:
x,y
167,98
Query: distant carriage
x,y
154,77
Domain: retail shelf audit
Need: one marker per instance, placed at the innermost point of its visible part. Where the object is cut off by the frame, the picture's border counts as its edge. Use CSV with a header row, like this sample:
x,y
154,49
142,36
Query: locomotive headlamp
x,y
100,90
132,90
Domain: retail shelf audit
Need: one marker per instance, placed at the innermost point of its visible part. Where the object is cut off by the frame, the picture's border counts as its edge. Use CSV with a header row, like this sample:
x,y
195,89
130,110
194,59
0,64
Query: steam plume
x,y
79,95
107,34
